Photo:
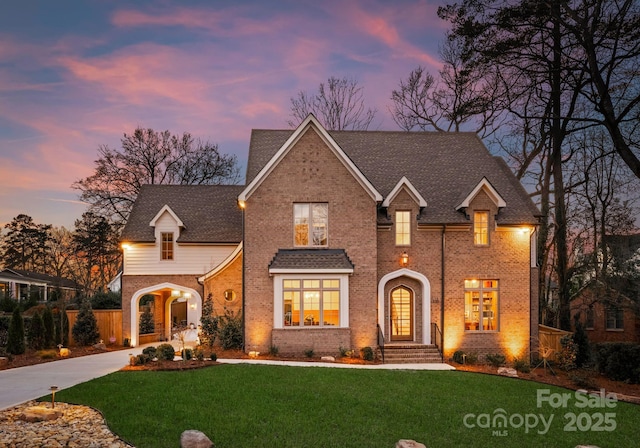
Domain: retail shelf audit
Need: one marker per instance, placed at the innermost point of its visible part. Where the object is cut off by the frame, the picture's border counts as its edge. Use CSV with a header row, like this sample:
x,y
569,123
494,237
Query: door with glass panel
x,y
401,314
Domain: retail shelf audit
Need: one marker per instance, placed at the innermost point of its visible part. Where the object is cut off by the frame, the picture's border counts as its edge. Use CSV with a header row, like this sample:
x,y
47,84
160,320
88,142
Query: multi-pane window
x,y
403,228
166,251
481,228
481,305
615,318
311,222
311,303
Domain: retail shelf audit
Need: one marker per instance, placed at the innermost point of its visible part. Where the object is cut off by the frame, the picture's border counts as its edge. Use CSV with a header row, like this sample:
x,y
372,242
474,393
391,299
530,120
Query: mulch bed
x,y
31,357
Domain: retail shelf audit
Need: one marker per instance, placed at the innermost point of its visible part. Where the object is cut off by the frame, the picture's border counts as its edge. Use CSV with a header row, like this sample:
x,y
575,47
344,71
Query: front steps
x,y
411,354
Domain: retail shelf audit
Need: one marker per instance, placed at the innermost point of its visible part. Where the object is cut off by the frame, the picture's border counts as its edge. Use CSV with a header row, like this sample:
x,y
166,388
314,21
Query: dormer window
x,y
481,228
311,223
166,250
403,228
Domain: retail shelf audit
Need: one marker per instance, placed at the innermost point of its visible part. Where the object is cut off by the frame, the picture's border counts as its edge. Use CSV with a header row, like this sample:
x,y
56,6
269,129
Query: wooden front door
x,y
401,314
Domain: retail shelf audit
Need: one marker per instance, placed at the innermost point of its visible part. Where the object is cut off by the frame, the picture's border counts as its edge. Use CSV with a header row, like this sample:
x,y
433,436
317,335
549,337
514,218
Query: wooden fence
x,y
109,325
549,338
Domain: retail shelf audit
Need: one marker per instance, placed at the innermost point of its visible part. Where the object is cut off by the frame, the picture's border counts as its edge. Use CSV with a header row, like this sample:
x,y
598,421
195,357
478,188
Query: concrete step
x,y
411,353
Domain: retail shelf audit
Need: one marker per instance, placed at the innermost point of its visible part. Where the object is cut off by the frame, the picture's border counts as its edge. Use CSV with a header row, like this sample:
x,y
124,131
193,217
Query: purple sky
x,y
75,75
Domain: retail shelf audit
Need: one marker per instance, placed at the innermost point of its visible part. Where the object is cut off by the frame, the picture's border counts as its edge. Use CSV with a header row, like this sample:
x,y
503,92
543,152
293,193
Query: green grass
x,y
277,406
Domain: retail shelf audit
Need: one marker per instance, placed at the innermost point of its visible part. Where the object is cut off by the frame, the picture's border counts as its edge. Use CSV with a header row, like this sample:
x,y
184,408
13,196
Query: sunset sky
x,y
75,75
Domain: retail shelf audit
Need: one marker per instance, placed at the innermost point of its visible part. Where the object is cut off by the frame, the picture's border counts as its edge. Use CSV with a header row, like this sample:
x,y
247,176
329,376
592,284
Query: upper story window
x,y
310,224
166,250
481,305
403,228
589,319
615,318
481,228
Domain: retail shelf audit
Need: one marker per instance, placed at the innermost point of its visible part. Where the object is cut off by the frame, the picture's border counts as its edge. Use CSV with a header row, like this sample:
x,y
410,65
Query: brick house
x,y
347,239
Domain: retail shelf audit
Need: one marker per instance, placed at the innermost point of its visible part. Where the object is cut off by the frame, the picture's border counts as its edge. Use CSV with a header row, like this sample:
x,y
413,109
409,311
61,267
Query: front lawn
x,y
277,406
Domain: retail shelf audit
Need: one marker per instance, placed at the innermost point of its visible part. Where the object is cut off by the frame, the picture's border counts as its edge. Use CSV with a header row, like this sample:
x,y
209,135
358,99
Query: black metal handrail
x,y
381,341
436,338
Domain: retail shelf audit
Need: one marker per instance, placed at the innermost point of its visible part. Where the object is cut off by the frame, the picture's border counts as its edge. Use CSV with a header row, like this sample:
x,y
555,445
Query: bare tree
x,y
338,105
151,157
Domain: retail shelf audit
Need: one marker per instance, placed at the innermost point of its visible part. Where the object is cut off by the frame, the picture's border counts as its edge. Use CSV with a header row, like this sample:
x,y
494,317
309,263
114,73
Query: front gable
x,y
407,186
310,124
485,186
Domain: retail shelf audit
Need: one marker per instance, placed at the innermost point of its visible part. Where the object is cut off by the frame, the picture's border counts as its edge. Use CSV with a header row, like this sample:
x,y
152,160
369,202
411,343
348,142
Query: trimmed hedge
x,y
619,361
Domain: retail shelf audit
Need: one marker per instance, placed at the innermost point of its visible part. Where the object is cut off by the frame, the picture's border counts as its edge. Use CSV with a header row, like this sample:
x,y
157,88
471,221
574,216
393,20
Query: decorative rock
x,y
194,439
39,414
407,443
100,346
508,371
328,358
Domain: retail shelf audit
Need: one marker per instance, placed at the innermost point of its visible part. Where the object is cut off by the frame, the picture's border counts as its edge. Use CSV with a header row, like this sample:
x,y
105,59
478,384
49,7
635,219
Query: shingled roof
x,y
314,259
210,213
443,167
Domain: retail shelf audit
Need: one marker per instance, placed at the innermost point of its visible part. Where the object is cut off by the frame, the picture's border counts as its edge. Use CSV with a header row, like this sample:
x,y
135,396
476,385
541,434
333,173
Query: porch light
x,y
242,204
125,246
404,258
192,306
187,295
175,293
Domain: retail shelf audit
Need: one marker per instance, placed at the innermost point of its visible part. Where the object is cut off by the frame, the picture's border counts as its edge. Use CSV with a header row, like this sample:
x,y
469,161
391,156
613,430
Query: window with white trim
x,y
166,251
403,228
310,224
481,305
481,228
311,302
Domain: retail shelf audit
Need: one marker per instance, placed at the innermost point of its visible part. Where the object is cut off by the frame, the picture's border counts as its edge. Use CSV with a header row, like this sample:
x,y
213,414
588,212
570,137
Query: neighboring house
x,y
350,239
20,285
115,285
613,314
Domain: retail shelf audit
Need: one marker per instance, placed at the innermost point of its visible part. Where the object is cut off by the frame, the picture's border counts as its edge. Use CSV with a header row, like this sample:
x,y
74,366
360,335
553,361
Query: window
x,y
311,303
166,252
481,228
310,224
481,305
403,228
615,318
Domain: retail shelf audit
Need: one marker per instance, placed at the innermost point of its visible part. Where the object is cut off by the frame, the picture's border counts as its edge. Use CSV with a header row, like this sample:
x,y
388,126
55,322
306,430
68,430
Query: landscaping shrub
x,y
521,365
367,354
472,358
4,330
15,342
165,352
566,357
309,353
198,354
458,356
273,350
187,354
209,328
47,354
85,330
151,352
7,303
344,352
106,301
496,359
49,328
35,336
619,361
213,356
584,382
61,322
230,330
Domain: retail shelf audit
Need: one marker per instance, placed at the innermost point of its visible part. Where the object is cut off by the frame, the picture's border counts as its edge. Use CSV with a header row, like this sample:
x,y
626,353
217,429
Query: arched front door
x,y
401,314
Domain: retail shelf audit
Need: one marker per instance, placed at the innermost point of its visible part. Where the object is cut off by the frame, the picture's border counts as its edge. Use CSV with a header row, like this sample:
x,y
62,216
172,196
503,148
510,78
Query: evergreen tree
x,y
62,328
581,340
15,343
36,337
209,322
85,330
147,325
49,328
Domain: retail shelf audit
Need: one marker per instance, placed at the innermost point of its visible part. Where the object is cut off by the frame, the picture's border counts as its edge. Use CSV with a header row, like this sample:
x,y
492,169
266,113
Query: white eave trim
x,y
488,188
167,209
408,186
310,271
308,123
227,261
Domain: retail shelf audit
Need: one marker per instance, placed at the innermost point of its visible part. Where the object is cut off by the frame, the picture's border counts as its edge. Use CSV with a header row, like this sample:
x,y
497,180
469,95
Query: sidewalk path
x,y
28,383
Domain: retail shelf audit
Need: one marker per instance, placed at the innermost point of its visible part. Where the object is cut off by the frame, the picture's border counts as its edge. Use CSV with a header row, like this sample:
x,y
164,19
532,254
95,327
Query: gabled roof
x,y
443,167
485,186
407,186
311,260
163,210
310,123
30,277
209,213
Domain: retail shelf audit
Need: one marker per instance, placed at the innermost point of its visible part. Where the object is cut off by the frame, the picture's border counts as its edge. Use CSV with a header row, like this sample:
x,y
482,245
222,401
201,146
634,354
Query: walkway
x,y
28,383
